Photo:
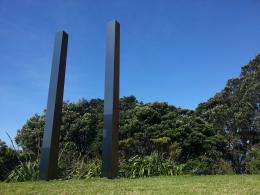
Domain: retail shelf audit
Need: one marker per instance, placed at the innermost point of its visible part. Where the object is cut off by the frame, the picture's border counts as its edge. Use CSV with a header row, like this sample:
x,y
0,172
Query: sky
x,y
176,51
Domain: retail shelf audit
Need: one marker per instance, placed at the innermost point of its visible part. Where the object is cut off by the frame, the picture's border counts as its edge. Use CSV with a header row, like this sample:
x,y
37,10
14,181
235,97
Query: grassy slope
x,y
233,184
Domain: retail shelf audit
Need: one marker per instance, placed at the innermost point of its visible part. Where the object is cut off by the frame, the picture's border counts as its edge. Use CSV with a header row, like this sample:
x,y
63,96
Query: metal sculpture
x,y
111,102
50,144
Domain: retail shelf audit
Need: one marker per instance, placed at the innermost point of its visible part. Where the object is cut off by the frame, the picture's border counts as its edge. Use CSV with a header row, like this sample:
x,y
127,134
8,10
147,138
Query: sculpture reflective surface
x,y
111,102
50,144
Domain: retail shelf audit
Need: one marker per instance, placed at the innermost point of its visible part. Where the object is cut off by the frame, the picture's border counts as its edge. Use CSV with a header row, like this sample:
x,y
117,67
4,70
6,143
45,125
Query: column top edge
x,y
113,21
62,32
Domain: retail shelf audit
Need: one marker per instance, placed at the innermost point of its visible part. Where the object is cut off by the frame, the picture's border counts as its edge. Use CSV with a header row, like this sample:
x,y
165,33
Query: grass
x,y
221,184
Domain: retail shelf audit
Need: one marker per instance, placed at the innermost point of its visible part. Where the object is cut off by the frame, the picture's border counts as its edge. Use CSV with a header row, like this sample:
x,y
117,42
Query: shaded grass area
x,y
218,184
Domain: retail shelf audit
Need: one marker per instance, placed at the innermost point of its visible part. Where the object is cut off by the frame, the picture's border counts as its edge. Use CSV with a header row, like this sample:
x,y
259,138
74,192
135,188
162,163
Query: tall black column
x,y
50,144
111,102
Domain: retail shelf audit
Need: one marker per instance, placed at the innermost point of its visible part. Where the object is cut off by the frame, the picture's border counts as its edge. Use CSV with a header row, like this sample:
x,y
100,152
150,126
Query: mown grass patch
x,y
217,184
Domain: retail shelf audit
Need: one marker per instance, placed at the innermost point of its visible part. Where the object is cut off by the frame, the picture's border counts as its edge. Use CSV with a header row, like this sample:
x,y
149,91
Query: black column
x,y
111,102
50,144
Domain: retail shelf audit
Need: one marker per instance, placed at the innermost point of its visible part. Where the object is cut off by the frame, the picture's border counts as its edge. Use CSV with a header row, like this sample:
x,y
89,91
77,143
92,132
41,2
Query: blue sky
x,y
181,52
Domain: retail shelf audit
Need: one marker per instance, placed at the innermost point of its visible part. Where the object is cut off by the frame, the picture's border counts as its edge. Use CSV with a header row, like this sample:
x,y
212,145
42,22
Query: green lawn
x,y
228,184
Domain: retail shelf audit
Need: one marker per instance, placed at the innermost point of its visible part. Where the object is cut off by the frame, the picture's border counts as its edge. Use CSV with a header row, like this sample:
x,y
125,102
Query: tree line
x,y
222,135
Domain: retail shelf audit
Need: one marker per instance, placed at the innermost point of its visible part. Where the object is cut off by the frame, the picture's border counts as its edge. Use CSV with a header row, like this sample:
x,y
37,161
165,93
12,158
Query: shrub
x,y
222,167
196,167
26,171
146,166
8,160
253,167
207,166
253,160
89,169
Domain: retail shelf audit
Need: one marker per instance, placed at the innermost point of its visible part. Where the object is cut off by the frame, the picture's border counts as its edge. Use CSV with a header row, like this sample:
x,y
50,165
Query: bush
x,y
222,167
253,167
9,159
26,171
196,167
83,169
253,160
207,166
146,166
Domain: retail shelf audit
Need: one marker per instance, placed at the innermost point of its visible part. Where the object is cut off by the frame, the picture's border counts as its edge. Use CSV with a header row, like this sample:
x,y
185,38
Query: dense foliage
x,y
220,136
8,160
